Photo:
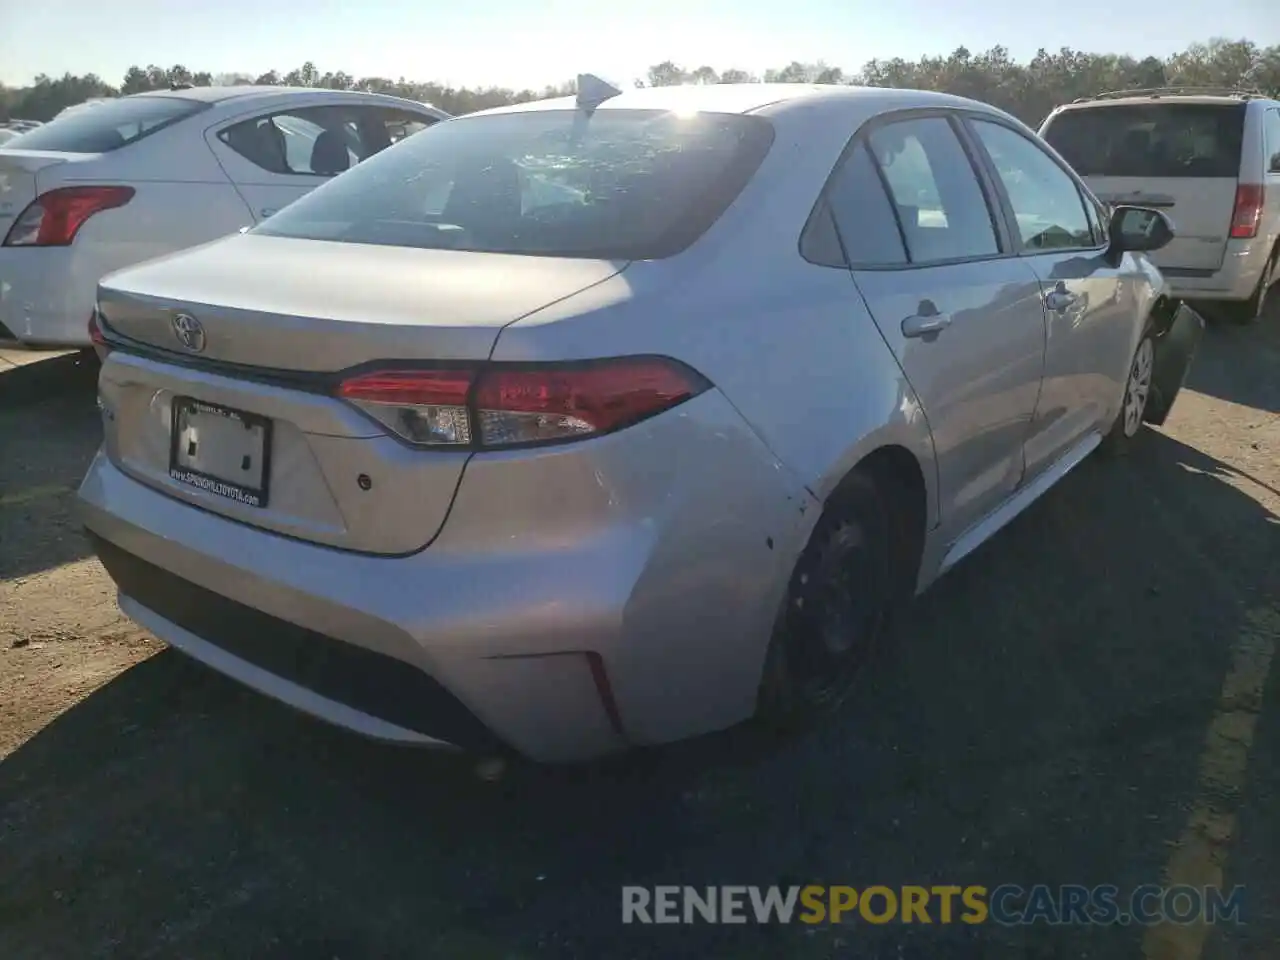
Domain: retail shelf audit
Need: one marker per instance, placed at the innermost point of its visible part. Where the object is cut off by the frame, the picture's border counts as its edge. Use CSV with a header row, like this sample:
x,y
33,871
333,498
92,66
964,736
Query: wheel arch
x,y
902,481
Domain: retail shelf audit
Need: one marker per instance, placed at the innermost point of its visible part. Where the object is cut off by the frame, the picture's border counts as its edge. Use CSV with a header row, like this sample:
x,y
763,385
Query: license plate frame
x,y
247,494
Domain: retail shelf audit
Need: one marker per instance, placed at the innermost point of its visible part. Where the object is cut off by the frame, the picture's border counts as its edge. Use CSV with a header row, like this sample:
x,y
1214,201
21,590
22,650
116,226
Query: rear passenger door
x,y
1090,298
275,157
960,313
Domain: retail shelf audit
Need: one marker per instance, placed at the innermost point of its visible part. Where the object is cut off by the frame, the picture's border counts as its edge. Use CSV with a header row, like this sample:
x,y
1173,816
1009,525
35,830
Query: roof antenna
x,y
592,91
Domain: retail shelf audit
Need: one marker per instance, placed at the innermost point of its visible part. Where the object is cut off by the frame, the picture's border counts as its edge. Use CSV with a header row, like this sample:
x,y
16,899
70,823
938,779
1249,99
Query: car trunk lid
x,y
249,426
313,305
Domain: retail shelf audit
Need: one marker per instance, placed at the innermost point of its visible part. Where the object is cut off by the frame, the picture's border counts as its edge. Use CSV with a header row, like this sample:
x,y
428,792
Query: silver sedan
x,y
606,421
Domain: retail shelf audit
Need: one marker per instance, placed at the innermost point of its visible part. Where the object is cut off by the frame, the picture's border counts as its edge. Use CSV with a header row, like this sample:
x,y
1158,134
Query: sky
x,y
531,43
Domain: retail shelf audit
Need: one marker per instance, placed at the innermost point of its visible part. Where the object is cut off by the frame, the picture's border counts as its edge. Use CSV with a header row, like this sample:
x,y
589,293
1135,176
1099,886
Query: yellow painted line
x,y
1200,855
32,494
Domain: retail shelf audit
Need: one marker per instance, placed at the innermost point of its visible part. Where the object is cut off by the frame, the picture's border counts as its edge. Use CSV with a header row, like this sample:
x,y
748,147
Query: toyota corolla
x,y
612,420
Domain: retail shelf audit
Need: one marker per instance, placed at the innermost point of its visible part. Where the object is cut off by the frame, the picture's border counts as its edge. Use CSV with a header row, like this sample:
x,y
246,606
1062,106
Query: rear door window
x,y
319,141
1150,139
866,229
400,123
110,125
311,141
936,195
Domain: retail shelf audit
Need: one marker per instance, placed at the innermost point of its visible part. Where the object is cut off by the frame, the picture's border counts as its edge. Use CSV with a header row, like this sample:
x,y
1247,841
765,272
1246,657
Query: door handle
x,y
924,325
1059,300
268,211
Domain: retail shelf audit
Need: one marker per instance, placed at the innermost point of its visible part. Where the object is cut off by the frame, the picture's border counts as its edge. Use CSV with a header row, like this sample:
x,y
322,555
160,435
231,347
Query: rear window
x,y
1151,140
616,184
109,125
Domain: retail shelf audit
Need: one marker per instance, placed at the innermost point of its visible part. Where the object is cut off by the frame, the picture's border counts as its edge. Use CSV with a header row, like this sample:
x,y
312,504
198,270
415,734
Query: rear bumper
x,y
644,623
46,295
1237,278
382,697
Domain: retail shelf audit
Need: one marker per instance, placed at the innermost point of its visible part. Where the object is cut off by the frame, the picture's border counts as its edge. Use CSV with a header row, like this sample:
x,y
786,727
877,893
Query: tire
x,y
1137,391
836,611
1269,307
1265,302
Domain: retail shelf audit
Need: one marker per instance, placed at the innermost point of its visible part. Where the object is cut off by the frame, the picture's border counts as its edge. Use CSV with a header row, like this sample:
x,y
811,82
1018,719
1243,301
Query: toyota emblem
x,y
189,332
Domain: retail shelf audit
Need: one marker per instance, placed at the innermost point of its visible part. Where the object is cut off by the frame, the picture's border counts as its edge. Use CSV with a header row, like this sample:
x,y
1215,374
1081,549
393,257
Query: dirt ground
x,y
1088,699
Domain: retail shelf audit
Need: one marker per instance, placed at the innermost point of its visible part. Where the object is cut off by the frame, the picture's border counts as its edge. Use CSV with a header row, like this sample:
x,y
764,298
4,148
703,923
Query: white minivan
x,y
1210,159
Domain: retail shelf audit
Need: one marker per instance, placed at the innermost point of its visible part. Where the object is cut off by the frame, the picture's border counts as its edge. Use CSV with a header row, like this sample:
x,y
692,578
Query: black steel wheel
x,y
836,610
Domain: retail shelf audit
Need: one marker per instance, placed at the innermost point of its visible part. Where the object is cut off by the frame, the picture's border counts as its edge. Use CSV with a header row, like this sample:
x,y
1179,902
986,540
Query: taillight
x,y
504,405
95,332
54,218
422,406
1247,213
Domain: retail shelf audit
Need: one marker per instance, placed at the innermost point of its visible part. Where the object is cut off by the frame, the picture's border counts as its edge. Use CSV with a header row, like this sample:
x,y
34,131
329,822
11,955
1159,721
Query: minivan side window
x,y
1046,202
1271,134
940,206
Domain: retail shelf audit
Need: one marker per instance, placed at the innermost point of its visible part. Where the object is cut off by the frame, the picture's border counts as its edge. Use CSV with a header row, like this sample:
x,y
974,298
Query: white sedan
x,y
137,177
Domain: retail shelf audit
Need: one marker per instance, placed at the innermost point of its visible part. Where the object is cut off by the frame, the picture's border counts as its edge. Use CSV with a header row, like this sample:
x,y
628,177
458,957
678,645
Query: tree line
x,y
1027,90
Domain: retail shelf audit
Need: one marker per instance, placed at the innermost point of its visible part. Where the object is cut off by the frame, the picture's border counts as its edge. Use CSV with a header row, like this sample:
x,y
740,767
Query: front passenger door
x,y
1089,299
960,313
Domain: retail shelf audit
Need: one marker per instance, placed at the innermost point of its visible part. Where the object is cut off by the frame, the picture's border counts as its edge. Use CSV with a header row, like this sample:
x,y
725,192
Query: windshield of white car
x,y
615,184
110,124
1151,139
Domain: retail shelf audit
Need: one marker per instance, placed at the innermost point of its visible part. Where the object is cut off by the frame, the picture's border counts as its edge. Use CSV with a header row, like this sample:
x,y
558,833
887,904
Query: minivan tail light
x,y
1247,213
54,218
505,405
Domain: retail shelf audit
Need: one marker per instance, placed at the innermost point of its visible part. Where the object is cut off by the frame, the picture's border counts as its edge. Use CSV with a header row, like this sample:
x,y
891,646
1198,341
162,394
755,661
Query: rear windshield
x,y
616,184
1151,140
109,125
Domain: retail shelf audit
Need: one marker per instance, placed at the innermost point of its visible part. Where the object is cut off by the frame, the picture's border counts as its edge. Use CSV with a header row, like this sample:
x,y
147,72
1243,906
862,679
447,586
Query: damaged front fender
x,y
1178,330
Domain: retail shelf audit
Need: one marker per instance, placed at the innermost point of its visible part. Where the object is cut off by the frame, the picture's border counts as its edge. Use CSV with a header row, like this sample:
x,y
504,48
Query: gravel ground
x,y
1088,699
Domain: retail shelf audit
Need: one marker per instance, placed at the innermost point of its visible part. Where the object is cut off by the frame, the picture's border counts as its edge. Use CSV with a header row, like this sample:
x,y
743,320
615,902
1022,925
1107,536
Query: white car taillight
x,y
96,337
53,219
510,405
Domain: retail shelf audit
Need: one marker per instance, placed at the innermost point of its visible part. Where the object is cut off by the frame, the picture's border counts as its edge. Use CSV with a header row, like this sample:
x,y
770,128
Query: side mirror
x,y
1139,229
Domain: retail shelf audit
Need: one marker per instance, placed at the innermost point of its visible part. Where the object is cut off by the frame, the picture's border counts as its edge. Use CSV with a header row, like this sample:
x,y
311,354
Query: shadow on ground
x,y
49,430
1218,370
68,373
1038,721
